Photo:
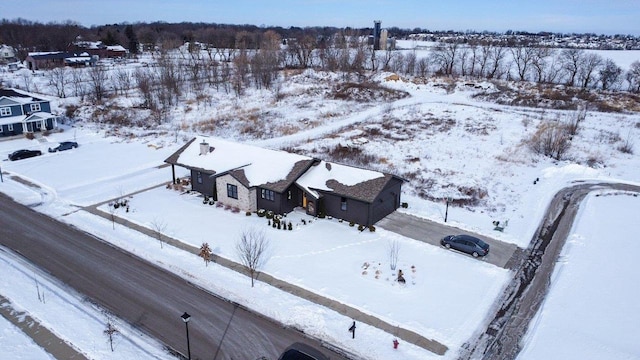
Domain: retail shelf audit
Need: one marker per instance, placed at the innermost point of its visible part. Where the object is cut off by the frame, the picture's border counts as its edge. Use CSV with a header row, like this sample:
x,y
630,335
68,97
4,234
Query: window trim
x,y
232,191
199,177
10,127
5,111
268,194
35,107
343,203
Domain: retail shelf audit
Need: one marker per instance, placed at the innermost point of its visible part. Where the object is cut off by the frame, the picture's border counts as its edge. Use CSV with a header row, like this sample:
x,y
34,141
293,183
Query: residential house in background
x,y
53,59
251,178
7,54
99,49
21,112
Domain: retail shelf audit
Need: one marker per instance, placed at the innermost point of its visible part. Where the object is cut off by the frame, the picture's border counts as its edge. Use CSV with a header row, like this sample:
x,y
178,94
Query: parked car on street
x,y
23,154
466,243
65,145
300,351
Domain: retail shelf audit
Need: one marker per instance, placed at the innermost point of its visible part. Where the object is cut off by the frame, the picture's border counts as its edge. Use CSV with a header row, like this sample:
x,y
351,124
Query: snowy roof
x,y
18,97
349,181
116,48
12,119
252,165
277,170
38,116
79,59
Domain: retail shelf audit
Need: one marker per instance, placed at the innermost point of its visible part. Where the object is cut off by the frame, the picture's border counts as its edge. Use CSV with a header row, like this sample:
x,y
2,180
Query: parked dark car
x,y
65,145
466,243
300,351
23,154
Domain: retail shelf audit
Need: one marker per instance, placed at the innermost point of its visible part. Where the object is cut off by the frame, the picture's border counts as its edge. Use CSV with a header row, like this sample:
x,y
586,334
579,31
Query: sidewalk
x,y
42,336
355,314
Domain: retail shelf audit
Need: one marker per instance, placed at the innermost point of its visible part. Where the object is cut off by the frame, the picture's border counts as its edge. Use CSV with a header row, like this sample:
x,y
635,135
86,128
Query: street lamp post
x,y
446,211
186,317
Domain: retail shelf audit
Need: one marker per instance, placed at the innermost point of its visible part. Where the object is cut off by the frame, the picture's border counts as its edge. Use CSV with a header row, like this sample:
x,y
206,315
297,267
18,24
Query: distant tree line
x,y
191,57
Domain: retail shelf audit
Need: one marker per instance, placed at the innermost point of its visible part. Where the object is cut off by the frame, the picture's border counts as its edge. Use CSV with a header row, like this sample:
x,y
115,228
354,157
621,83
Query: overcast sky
x,y
582,16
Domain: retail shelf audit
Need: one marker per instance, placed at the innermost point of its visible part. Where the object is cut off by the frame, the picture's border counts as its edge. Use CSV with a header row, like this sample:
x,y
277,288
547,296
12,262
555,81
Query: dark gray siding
x,y
357,211
208,185
387,201
282,203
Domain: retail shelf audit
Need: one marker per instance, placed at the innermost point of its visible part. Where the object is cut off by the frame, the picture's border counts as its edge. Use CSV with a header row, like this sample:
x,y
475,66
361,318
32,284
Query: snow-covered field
x,y
592,310
446,142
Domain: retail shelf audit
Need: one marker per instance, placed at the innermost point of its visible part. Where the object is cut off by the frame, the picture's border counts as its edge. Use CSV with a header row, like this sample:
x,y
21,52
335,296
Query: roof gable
x,y
260,167
343,180
5,101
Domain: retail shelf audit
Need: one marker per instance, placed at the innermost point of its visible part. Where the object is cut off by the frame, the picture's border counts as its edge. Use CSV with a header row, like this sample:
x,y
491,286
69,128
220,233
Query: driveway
x,y
502,254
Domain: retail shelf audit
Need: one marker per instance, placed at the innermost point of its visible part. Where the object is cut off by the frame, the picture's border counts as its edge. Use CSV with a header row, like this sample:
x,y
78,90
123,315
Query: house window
x,y
232,191
268,194
10,127
289,195
35,107
199,177
343,204
5,111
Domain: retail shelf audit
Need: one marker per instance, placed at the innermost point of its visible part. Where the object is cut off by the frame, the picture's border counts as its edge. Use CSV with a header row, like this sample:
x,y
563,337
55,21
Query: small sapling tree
x,y
205,253
252,250
159,227
393,248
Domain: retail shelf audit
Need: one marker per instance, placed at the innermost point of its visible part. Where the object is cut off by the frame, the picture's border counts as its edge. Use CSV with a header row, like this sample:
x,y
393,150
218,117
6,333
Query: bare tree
x,y
145,80
444,55
590,66
111,331
523,57
252,250
393,248
122,80
497,68
59,78
570,62
98,82
633,77
78,81
610,75
159,227
301,49
540,64
113,207
205,253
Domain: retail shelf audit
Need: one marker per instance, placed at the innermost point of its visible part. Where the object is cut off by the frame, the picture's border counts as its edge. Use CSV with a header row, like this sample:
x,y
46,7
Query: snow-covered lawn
x,y
66,314
445,298
592,310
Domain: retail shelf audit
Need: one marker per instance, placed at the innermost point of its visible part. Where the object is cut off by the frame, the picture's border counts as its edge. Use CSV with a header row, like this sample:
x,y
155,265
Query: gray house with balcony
x,y
21,112
250,178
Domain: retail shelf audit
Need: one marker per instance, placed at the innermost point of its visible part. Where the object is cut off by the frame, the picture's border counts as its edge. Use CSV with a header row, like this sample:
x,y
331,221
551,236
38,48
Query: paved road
x,y
501,254
146,296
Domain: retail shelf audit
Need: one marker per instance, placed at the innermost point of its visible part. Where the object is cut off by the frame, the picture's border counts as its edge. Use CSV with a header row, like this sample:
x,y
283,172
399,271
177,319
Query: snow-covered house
x,y
7,54
21,112
251,178
52,59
